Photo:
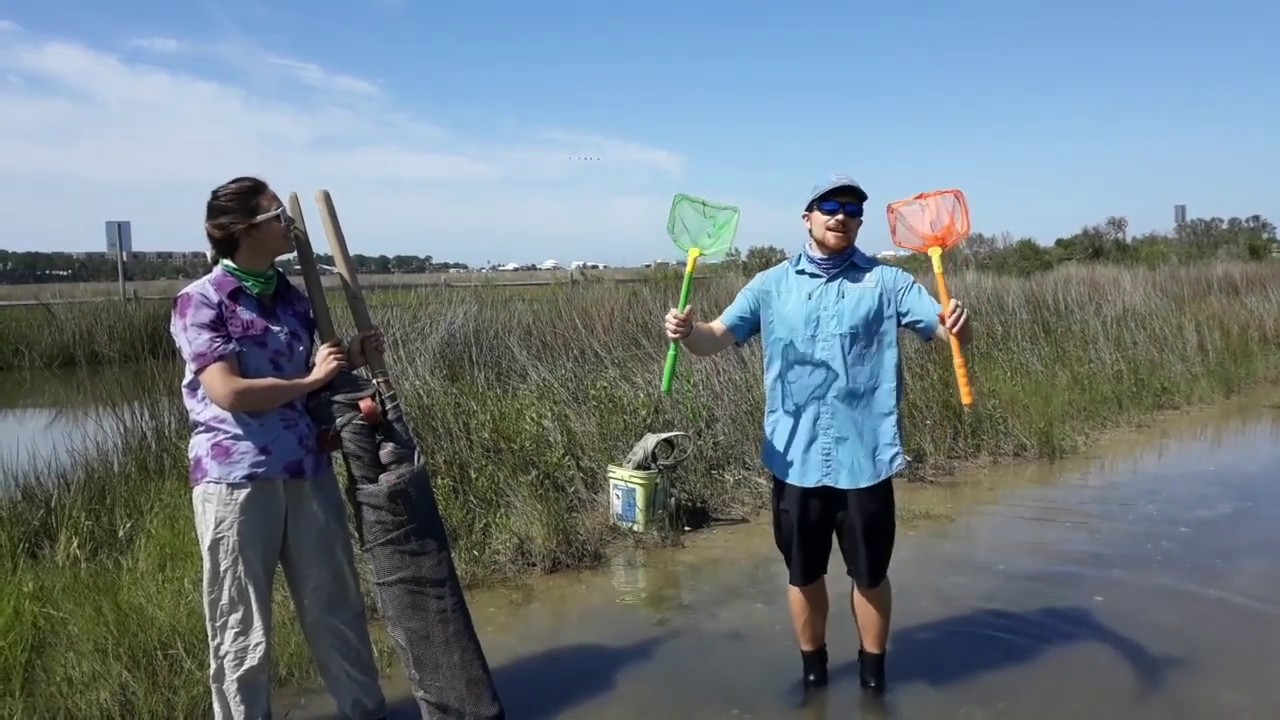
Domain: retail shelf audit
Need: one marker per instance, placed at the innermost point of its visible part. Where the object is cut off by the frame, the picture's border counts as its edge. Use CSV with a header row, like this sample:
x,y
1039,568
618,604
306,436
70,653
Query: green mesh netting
x,y
697,223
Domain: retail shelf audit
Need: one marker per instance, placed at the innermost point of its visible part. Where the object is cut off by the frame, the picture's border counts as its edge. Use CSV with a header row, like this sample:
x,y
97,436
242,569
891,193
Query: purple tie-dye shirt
x,y
214,318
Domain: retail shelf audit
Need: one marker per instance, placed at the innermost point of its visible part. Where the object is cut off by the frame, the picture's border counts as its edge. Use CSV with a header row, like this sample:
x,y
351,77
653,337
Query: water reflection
x,y
46,417
653,583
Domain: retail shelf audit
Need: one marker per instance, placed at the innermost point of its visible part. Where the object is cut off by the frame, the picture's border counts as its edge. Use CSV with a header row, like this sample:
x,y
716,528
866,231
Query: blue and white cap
x,y
829,187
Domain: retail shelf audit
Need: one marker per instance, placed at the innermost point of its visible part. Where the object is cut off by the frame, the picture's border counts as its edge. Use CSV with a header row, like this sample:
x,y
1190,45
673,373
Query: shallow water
x,y
34,436
1137,583
45,417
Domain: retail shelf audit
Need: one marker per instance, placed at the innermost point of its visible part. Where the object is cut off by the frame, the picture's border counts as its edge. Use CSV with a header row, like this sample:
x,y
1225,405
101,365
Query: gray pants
x,y
245,530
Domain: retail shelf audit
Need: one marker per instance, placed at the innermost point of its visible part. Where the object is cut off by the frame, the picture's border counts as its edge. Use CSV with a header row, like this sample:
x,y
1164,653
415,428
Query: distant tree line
x,y
387,264
22,268
1196,240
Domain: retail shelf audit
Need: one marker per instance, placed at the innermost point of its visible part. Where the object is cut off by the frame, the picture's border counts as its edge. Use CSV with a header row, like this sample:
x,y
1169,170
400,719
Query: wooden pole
x,y
311,272
351,286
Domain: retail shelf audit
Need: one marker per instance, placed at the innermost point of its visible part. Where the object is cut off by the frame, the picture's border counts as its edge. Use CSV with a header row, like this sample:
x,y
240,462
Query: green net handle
x,y
686,289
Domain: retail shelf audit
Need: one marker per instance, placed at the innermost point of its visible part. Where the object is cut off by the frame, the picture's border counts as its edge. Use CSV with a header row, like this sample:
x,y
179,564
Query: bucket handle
x,y
682,448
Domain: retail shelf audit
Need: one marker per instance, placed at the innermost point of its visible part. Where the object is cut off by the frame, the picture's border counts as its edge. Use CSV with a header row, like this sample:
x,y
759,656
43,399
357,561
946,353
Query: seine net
x,y
402,534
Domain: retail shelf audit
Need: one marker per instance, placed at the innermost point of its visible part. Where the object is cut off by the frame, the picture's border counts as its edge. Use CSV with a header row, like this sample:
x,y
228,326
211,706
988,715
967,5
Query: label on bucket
x,y
624,504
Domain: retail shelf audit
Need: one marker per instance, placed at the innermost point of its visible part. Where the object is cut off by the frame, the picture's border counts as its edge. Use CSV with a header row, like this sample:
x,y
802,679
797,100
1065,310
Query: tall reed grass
x,y
520,398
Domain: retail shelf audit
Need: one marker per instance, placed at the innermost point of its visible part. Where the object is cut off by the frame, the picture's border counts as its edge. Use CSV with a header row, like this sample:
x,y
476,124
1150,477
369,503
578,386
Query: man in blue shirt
x,y
828,320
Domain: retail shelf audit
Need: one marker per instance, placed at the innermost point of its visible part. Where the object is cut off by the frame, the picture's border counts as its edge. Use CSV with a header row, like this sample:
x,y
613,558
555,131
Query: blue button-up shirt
x,y
832,369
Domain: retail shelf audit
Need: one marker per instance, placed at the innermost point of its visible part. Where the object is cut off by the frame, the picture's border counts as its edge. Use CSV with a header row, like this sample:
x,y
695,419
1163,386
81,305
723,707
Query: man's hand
x,y
955,321
357,355
699,338
679,324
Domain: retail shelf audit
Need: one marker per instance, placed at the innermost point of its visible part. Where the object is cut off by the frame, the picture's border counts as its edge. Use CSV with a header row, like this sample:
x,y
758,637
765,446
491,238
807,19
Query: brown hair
x,y
231,208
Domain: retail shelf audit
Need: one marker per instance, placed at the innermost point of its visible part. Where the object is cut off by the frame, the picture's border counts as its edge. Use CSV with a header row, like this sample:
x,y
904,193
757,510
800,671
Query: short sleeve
x,y
918,311
199,331
742,317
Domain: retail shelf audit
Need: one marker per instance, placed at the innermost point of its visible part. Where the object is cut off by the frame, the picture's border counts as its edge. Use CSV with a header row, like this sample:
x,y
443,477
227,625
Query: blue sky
x,y
454,129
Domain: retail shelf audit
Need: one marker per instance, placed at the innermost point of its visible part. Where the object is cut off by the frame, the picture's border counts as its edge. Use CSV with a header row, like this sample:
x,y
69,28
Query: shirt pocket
x,y
793,314
859,322
246,328
260,345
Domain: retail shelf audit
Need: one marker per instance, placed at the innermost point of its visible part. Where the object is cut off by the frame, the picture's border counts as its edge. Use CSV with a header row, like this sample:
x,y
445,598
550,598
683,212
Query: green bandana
x,y
258,284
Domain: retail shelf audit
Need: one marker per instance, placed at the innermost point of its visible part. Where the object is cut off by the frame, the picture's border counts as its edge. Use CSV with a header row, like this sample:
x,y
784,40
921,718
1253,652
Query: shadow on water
x,y
534,687
961,648
534,684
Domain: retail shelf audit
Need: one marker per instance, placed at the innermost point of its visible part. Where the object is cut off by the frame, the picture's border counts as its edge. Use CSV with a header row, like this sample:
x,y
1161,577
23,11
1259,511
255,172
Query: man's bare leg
x,y
872,611
809,608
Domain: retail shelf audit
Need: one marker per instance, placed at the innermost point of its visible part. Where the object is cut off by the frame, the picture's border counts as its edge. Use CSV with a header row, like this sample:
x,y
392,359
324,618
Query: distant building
x,y
173,257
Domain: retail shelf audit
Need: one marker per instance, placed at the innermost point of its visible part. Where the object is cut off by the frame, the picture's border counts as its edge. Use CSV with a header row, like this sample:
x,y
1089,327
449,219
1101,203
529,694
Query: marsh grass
x,y
521,398
55,335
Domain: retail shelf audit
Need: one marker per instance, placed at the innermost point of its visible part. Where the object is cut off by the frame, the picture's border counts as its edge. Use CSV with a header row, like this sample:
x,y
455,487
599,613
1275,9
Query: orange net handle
x,y
933,222
958,362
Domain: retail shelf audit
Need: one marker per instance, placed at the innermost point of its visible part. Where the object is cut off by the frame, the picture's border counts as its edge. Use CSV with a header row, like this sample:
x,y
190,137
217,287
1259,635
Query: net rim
x,y
675,200
893,210
730,233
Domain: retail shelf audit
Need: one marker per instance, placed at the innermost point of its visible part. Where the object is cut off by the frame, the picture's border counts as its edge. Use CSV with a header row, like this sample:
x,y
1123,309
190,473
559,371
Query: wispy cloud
x,y
88,135
321,79
156,44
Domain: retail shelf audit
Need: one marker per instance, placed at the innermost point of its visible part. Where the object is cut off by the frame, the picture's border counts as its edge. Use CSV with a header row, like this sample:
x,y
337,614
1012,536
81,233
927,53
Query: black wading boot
x,y
871,671
815,667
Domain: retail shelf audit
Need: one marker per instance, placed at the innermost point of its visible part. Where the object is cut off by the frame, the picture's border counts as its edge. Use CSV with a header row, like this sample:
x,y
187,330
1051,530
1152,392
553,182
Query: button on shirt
x,y
832,367
213,319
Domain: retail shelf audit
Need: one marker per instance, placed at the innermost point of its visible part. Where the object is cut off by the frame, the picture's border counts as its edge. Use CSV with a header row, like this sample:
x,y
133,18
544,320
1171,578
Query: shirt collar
x,y
800,263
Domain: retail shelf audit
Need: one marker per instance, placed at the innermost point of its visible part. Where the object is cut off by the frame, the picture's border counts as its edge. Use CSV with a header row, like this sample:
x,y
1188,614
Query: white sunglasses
x,y
280,214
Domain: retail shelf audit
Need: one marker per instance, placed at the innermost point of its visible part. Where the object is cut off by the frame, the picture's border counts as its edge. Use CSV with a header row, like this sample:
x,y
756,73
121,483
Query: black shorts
x,y
862,521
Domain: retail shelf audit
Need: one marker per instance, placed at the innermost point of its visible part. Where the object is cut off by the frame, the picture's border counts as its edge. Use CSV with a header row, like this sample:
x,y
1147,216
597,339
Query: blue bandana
x,y
828,264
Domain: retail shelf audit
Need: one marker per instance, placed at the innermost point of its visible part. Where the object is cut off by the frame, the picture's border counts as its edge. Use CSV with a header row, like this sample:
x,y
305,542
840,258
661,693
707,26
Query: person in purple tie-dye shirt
x,y
262,488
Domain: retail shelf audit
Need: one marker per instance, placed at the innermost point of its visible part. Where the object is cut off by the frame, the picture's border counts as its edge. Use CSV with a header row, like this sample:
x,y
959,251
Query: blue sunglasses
x,y
831,208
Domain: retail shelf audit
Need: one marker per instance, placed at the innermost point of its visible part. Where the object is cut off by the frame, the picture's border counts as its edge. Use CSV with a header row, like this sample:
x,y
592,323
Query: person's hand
x,y
956,320
679,324
331,359
358,351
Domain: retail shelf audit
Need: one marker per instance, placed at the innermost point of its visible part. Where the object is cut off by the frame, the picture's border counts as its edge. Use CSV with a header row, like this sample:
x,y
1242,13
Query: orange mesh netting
x,y
933,219
932,222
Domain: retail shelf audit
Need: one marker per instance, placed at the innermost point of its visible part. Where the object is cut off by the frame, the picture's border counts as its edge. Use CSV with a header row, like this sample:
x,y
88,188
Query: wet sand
x,y
1140,582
